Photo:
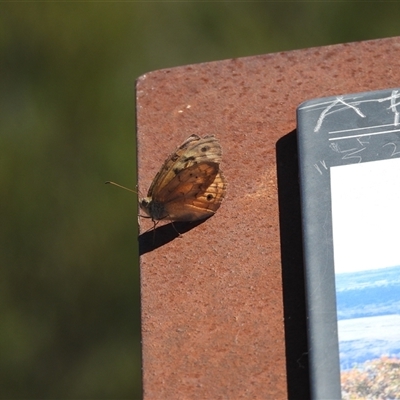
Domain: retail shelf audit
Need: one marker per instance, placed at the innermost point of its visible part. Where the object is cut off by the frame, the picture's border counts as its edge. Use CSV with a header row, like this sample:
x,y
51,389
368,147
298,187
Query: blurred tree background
x,y
69,284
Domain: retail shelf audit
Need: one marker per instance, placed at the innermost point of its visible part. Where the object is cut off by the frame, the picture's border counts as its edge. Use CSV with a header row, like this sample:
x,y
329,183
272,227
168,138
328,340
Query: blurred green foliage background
x,y
69,276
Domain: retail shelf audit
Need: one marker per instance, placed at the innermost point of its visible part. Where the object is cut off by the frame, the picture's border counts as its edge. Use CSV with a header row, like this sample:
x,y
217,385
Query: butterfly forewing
x,y
207,203
213,195
188,182
192,151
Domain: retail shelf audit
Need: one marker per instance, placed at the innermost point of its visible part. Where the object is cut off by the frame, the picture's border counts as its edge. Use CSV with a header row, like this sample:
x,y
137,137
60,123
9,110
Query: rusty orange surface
x,y
212,300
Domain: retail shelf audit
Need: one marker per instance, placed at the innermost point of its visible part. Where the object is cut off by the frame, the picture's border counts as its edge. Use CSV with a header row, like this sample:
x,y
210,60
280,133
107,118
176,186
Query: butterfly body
x,y
189,185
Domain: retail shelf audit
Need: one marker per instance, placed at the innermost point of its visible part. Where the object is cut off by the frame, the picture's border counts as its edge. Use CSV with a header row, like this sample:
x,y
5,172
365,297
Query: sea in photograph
x,y
368,307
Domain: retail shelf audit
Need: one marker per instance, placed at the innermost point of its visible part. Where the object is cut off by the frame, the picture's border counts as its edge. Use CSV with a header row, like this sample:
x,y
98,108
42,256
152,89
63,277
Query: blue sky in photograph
x,y
366,215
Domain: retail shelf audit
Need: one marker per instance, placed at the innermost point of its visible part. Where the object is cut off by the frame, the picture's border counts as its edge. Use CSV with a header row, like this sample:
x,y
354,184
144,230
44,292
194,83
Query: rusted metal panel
x,y
212,301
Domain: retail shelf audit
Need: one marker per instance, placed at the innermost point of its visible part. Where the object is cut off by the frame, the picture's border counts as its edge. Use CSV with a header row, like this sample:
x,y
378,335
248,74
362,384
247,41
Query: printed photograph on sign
x,y
365,223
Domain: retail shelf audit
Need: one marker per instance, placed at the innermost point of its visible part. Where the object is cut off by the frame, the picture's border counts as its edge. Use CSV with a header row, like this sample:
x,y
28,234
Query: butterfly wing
x,y
194,193
192,151
204,205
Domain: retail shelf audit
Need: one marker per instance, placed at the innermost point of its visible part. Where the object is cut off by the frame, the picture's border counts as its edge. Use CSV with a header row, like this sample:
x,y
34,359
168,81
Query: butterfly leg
x,y
179,234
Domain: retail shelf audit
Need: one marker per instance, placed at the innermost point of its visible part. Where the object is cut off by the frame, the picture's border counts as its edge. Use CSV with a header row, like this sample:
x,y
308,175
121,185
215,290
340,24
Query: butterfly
x,y
189,186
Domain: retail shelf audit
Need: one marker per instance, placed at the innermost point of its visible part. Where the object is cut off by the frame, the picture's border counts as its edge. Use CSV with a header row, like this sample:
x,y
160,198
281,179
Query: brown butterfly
x,y
189,186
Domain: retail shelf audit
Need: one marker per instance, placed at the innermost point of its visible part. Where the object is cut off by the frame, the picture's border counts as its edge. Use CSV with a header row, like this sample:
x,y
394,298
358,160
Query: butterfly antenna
x,y
122,187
